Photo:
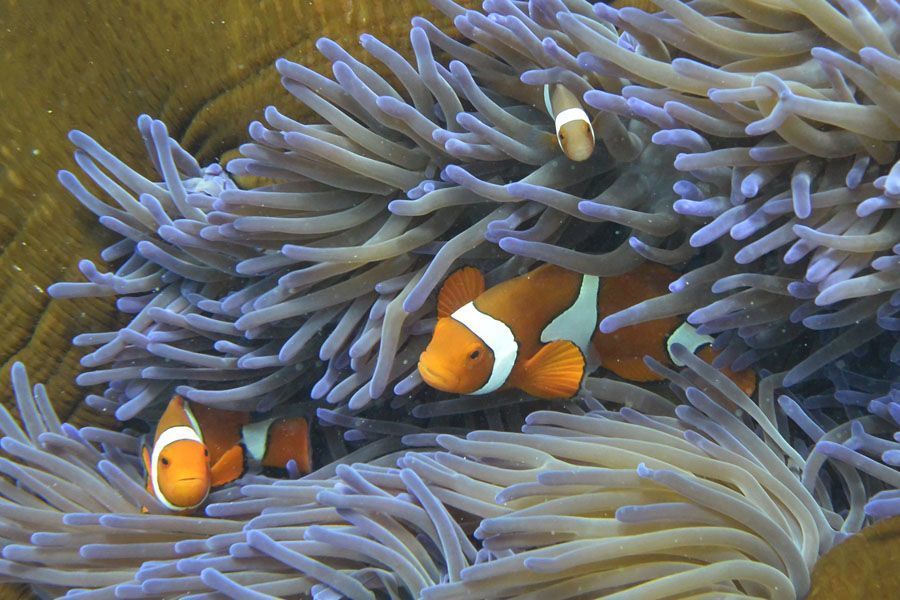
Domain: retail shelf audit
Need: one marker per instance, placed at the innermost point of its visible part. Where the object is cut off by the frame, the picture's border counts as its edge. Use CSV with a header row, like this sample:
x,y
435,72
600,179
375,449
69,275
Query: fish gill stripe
x,y
687,336
498,337
578,322
169,436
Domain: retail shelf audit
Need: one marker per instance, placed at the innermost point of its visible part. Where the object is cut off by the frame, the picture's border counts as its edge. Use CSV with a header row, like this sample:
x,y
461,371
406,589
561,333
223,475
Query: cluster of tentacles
x,y
587,500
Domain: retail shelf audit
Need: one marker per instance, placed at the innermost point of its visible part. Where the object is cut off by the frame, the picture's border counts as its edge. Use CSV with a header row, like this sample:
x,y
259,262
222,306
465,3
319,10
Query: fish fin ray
x,y
555,372
460,288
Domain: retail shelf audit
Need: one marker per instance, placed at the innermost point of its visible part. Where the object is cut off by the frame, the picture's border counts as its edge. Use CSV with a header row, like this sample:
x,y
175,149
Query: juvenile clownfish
x,y
196,448
533,332
574,131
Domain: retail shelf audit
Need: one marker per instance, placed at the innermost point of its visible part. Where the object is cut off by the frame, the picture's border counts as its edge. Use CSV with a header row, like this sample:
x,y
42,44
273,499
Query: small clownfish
x,y
196,448
534,331
574,131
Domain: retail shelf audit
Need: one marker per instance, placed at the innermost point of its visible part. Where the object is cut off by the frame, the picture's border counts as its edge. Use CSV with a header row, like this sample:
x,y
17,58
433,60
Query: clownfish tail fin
x,y
701,345
555,372
229,467
746,379
460,288
288,439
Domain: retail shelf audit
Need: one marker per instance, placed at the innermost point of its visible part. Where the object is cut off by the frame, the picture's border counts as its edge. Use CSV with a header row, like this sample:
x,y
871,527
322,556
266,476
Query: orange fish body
x,y
196,448
534,331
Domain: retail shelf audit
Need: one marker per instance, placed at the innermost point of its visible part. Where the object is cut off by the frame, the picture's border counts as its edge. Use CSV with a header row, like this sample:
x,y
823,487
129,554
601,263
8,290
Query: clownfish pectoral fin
x,y
229,467
555,372
746,379
462,287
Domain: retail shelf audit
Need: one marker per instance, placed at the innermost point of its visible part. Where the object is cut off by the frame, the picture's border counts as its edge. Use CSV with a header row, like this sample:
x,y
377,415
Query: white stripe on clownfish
x,y
498,337
569,115
578,322
256,438
169,436
687,336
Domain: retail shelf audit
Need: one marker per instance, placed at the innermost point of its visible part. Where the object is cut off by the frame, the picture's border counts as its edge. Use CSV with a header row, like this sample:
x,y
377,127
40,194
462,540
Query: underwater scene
x,y
500,299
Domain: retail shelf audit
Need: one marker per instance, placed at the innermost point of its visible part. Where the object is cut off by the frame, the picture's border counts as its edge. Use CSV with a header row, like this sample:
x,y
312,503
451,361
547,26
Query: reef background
x,y
205,68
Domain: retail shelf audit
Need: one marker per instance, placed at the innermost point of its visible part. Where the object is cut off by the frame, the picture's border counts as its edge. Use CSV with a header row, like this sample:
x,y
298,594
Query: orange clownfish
x,y
534,331
574,131
196,448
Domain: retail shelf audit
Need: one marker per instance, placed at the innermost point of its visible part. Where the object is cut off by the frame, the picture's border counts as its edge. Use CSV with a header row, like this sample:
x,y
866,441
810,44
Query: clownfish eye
x,y
475,354
165,462
206,452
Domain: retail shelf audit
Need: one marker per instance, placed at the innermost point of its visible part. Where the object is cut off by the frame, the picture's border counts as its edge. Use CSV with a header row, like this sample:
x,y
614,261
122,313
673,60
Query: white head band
x,y
498,337
572,114
169,436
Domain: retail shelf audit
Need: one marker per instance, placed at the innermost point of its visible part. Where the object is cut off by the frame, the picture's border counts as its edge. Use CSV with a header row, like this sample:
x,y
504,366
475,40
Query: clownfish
x,y
196,448
534,332
574,131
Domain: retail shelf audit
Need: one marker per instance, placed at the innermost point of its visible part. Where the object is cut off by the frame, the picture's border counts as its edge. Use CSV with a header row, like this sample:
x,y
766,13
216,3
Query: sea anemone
x,y
595,500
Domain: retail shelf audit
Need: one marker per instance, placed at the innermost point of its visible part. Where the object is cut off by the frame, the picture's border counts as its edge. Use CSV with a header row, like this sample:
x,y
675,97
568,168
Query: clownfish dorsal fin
x,y
555,372
462,287
229,467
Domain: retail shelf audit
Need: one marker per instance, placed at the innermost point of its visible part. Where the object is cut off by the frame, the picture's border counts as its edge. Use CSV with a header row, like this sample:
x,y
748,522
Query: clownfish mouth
x,y
190,479
440,379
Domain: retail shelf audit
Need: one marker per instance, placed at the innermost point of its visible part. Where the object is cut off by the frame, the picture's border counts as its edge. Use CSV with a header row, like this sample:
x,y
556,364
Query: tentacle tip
x,y
609,324
793,378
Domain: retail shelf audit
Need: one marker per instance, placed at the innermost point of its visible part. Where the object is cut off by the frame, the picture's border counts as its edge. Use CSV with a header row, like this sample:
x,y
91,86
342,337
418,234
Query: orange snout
x,y
456,360
183,473
576,140
435,374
